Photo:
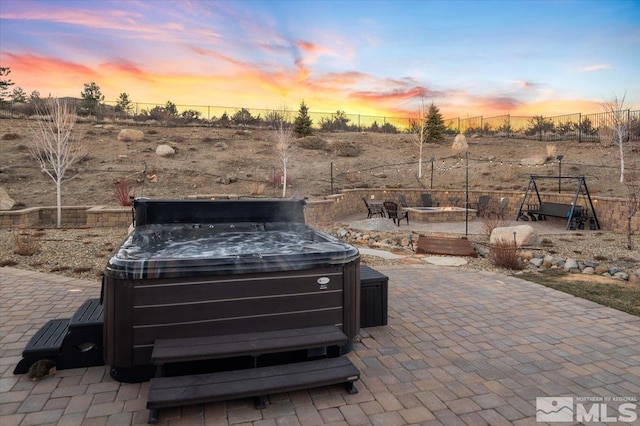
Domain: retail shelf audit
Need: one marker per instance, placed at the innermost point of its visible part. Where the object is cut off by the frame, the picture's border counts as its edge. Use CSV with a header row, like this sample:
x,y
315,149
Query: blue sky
x,y
470,58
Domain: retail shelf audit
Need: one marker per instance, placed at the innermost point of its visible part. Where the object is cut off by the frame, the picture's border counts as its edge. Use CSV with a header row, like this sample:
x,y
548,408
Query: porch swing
x,y
576,215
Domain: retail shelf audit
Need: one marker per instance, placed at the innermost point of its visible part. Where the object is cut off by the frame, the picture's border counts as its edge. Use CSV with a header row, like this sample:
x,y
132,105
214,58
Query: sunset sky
x,y
373,58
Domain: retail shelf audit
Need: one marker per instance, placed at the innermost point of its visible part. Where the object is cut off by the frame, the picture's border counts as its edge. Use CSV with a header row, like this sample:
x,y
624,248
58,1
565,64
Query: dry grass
x,y
504,254
257,188
26,244
551,152
508,174
491,222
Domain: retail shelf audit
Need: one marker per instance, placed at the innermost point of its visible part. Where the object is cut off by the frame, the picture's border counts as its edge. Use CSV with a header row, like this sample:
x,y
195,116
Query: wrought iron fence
x,y
596,127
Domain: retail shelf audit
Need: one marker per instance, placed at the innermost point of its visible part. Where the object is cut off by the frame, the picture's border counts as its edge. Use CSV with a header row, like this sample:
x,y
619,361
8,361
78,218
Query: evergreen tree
x,y
18,95
91,97
5,83
435,124
302,123
124,103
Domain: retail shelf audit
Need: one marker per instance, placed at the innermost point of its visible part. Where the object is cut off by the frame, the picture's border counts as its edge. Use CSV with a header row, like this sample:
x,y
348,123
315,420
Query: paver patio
x,y
461,347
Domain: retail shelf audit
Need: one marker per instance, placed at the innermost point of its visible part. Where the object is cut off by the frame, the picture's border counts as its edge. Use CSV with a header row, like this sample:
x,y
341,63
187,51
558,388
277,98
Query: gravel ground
x,y
84,253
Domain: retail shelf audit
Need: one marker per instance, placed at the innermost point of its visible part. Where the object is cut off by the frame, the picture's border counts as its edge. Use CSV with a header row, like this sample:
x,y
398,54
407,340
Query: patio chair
x,y
394,212
403,200
482,206
500,209
427,201
373,209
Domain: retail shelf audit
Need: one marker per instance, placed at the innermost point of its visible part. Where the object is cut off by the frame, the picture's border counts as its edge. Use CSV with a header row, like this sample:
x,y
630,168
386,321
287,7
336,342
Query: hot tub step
x,y
87,315
70,343
45,344
257,382
245,344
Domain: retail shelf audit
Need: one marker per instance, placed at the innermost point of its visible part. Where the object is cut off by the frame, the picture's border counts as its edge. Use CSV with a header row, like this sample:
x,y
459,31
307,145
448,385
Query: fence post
x,y
579,127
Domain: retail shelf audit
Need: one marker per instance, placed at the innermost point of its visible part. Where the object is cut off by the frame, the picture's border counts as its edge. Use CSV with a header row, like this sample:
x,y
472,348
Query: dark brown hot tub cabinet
x,y
193,269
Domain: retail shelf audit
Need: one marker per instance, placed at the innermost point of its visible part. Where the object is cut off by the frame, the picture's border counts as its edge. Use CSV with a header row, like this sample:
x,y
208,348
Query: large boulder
x,y
536,160
460,143
130,135
6,202
524,235
165,150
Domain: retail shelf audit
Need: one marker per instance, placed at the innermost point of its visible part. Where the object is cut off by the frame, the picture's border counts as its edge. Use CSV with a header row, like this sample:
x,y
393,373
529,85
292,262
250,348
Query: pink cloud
x,y
596,67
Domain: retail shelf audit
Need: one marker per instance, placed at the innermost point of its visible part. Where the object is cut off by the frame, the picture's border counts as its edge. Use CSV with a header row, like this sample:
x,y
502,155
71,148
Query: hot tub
x,y
202,268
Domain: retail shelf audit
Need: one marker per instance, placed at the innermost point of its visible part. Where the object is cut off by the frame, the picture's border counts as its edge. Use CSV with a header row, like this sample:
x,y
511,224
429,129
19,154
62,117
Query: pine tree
x,y
302,123
435,124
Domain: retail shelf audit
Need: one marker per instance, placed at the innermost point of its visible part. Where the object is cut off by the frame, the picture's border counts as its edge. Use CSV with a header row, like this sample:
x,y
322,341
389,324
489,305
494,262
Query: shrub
x,y
10,136
257,188
493,221
25,244
346,149
312,142
504,254
123,191
508,174
551,152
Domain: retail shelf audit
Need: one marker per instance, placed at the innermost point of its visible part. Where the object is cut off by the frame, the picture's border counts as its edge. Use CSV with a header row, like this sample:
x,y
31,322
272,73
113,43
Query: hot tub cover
x,y
161,245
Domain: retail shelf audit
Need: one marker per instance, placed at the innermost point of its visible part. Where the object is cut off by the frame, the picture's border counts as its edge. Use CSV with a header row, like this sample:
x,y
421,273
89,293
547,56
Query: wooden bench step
x,y
199,389
246,344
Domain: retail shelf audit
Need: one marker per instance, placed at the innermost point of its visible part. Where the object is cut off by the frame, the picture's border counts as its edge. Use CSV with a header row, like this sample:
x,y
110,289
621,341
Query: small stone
x,y
588,270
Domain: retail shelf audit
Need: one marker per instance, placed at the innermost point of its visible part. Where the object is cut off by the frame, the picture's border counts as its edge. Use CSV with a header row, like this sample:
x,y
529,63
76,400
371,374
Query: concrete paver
x,y
460,347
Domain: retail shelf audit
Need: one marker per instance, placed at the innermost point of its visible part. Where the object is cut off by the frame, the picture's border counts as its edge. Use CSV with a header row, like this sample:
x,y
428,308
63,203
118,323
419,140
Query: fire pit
x,y
439,214
205,268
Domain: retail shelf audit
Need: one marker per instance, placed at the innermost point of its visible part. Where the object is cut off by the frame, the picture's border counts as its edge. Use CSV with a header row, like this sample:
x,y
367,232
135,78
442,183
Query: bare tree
x,y
632,204
55,146
619,116
420,134
285,145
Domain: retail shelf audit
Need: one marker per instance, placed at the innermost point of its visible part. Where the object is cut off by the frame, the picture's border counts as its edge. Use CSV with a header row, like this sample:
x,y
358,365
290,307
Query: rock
x,y
590,263
601,270
165,150
536,160
109,127
524,235
226,180
621,275
130,135
536,261
6,202
588,270
614,270
220,146
460,143
526,255
570,264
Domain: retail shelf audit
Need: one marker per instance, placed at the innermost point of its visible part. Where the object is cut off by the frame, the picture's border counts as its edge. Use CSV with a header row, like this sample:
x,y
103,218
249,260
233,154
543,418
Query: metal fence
x,y
579,127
